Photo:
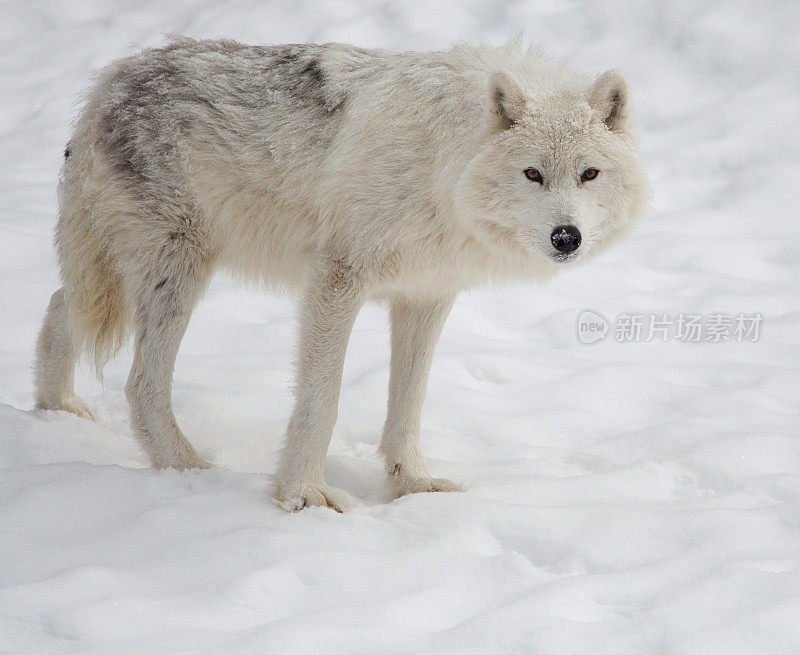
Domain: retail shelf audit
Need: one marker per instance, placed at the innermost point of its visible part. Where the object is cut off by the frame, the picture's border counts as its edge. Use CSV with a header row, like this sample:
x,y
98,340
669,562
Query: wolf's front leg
x,y
329,306
416,326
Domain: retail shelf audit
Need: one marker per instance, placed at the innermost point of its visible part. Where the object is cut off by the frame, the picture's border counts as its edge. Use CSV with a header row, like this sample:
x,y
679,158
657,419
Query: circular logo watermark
x,y
592,326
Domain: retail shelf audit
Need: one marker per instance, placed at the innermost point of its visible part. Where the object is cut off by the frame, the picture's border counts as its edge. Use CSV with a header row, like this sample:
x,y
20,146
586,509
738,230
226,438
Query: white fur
x,y
347,174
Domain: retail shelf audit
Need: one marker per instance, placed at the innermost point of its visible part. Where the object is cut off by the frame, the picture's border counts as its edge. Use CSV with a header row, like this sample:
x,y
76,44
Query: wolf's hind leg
x,y
163,305
416,326
55,362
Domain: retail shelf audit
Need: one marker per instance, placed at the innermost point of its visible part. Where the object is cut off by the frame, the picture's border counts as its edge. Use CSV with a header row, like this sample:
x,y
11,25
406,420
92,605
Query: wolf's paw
x,y
182,461
73,404
195,462
406,486
293,498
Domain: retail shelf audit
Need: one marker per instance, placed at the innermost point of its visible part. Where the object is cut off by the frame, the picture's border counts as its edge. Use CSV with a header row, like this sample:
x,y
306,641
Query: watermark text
x,y
687,327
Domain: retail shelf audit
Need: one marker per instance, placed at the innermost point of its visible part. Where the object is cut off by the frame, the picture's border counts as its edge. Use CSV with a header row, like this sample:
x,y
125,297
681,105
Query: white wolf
x,y
344,173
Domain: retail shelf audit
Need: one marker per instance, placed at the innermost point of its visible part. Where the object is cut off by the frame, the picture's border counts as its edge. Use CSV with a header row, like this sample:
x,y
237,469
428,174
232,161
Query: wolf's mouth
x,y
563,258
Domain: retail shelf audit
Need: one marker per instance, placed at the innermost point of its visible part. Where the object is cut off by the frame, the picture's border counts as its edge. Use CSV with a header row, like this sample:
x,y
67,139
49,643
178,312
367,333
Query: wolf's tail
x,y
96,308
97,312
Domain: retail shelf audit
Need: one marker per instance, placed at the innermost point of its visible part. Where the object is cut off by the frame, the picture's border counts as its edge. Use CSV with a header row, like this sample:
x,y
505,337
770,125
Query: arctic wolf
x,y
346,174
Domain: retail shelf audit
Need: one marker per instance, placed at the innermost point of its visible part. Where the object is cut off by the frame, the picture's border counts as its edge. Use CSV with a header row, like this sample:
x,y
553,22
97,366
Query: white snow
x,y
621,497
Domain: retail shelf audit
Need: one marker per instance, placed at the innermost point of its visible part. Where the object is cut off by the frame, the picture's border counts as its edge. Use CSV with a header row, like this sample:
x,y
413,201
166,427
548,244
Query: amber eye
x,y
589,174
534,175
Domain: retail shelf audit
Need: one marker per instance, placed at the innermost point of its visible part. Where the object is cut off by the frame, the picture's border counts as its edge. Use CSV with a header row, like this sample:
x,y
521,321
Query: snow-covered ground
x,y
621,497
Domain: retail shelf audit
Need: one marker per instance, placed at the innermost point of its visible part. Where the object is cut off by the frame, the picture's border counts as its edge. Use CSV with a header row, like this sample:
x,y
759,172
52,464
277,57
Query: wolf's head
x,y
558,177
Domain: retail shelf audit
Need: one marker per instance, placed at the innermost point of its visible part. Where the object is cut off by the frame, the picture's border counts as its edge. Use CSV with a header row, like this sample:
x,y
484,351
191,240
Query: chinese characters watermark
x,y
687,327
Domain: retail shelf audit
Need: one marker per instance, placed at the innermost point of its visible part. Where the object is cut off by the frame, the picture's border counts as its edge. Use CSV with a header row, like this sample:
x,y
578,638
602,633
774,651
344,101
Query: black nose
x,y
566,238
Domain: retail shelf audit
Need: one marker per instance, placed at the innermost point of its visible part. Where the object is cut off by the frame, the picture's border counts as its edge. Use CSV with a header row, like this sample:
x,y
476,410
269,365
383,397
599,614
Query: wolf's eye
x,y
589,174
534,175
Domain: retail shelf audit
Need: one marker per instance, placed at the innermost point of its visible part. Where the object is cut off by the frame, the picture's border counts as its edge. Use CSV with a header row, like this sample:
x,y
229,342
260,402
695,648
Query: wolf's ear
x,y
506,100
610,98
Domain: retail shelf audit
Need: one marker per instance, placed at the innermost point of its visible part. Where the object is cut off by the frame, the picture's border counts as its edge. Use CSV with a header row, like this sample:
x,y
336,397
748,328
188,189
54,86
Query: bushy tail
x,y
96,308
97,312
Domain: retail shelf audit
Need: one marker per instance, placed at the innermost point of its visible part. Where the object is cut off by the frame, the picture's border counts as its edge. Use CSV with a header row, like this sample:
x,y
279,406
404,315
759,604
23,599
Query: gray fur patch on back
x,y
298,71
241,98
136,123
